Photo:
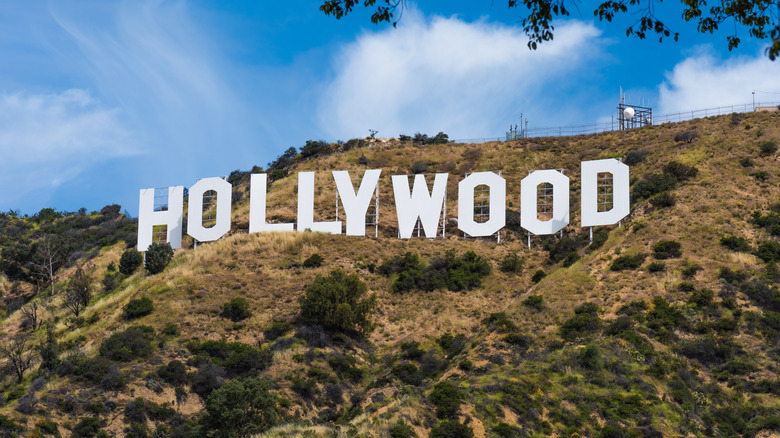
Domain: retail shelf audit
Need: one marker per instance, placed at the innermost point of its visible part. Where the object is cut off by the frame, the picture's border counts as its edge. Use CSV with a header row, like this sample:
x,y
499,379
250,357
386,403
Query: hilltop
x,y
665,325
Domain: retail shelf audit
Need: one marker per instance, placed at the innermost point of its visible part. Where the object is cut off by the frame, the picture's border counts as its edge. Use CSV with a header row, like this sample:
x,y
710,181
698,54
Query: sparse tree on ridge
x,y
79,292
760,17
18,353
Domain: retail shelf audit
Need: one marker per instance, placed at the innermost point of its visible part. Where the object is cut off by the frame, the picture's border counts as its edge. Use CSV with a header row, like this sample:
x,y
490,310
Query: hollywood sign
x,y
411,205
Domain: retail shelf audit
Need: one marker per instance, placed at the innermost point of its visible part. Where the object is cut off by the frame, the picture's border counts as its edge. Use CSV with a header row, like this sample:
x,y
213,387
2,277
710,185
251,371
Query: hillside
x,y
666,325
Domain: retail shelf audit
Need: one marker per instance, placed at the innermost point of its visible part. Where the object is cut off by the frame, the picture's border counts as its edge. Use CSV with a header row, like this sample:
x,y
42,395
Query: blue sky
x,y
99,99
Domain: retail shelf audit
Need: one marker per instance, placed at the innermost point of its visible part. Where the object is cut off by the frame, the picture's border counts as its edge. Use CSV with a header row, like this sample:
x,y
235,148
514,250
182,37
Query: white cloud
x,y
467,79
46,139
704,81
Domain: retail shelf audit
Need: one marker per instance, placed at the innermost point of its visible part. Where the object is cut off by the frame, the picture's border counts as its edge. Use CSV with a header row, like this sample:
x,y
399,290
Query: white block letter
x,y
529,202
421,204
306,207
497,186
356,205
195,226
257,202
621,204
172,217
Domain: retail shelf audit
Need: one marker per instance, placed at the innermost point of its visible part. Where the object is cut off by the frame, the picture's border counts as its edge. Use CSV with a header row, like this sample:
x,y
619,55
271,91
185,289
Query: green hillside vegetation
x,y
666,325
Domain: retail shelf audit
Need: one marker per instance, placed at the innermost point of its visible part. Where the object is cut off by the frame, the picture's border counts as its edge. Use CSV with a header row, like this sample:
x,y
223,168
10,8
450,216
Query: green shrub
x,y
451,429
338,302
175,373
667,249
663,200
653,184
768,251
111,281
132,343
585,322
736,118
768,148
734,243
87,427
130,261
538,276
401,430
635,157
419,167
746,162
770,221
709,350
450,271
511,263
600,237
447,399
157,257
314,261
407,373
314,148
732,276
236,357
241,407
534,302
452,345
500,321
701,298
656,267
236,310
686,136
761,175
680,172
626,261
138,307
171,329
590,358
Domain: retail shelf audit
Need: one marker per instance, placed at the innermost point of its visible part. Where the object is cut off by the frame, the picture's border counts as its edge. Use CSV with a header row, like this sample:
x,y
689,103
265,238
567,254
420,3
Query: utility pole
x,y
754,100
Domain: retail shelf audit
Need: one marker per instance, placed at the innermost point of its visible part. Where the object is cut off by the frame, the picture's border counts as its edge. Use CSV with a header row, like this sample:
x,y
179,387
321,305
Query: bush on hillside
x,y
138,307
734,243
626,262
133,343
635,157
337,302
681,172
314,261
686,136
158,256
768,251
451,429
130,261
534,302
241,407
663,200
511,263
174,373
653,184
448,270
768,148
538,276
585,322
236,310
447,399
419,167
667,249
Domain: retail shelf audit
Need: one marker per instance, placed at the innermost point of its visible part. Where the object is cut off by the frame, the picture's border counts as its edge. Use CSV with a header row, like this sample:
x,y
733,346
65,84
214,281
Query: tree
x,y
19,355
30,314
79,292
336,301
157,257
49,252
130,261
241,407
760,17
